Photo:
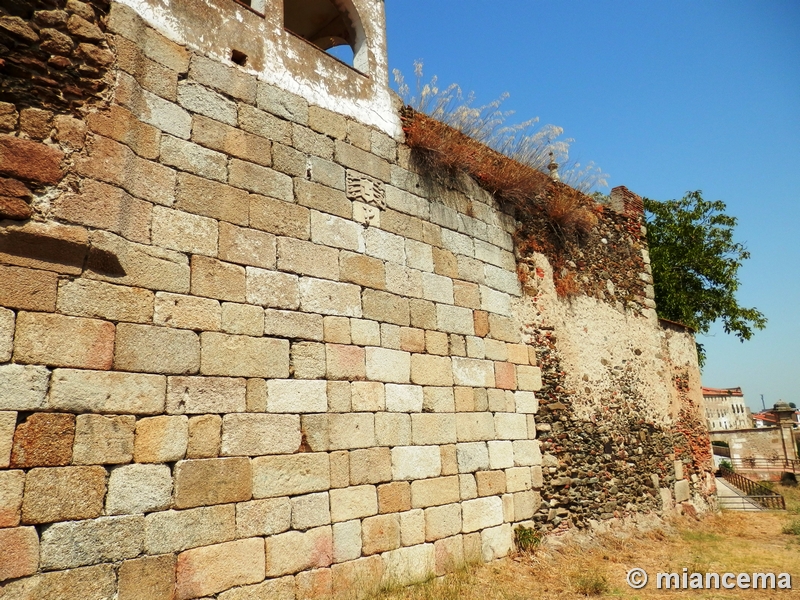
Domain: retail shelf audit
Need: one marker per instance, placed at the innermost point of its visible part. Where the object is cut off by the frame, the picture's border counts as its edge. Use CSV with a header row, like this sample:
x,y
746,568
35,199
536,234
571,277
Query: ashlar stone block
x,y
208,481
211,569
294,551
161,439
263,517
275,476
249,434
198,395
103,440
136,488
175,530
12,484
416,462
78,543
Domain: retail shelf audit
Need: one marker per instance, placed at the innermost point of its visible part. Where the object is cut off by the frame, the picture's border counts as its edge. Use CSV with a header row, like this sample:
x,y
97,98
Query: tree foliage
x,y
695,263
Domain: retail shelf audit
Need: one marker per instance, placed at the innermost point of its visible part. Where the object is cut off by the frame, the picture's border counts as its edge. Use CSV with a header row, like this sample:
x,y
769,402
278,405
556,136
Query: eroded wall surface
x,y
247,351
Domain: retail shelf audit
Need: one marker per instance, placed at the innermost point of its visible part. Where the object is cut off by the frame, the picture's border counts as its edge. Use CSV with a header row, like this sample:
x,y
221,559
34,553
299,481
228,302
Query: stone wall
x,y
247,351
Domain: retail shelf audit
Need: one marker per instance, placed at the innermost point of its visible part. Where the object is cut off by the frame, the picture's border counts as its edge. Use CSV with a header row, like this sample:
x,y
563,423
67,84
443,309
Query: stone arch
x,y
328,24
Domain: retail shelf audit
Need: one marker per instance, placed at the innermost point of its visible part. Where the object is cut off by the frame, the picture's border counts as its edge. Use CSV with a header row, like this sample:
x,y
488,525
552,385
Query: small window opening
x,y
239,57
327,26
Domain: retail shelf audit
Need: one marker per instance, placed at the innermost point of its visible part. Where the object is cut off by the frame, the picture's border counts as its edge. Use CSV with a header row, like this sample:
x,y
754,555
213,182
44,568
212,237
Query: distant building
x,y
725,409
768,418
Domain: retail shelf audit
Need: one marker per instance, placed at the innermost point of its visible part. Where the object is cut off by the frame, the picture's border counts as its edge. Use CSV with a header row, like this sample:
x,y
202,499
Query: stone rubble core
x,y
248,351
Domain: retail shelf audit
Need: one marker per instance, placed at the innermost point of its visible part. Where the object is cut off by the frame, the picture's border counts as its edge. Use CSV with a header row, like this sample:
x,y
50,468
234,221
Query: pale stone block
x,y
7,334
468,486
419,255
368,396
436,491
437,288
317,583
508,507
438,400
525,505
250,434
355,502
431,370
80,391
294,551
457,243
311,510
502,279
394,497
472,427
272,288
473,456
458,346
199,99
307,258
242,319
272,589
449,555
442,521
206,481
88,583
63,493
449,459
518,479
392,429
244,356
12,483
340,469
511,426
526,402
156,349
481,513
386,308
353,430
23,387
454,319
391,336
147,578
161,439
246,246
293,474
211,569
412,527
103,440
176,530
403,281
490,483
497,400
99,300
473,372
537,479
365,333
256,395
496,542
345,362
184,232
493,301
337,330
384,245
518,354
527,453
404,398
78,543
682,491
335,232
19,552
296,396
186,312
330,297
409,565
136,489
529,378
263,517
8,423
346,541
292,324
380,534
432,428
339,396
476,347
416,462
495,349
501,454
198,395
370,465
307,362
386,365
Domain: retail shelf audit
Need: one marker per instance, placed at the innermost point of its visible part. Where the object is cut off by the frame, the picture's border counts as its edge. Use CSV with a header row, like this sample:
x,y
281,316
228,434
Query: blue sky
x,y
665,97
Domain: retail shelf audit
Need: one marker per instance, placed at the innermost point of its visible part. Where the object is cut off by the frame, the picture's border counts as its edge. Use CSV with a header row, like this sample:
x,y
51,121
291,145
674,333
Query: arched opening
x,y
331,25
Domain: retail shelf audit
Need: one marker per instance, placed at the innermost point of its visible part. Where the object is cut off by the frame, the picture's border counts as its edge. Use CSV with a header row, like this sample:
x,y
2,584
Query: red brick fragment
x,y
29,160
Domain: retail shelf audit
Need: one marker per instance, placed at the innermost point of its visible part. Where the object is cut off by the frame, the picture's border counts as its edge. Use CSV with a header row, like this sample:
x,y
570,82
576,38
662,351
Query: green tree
x,y
695,263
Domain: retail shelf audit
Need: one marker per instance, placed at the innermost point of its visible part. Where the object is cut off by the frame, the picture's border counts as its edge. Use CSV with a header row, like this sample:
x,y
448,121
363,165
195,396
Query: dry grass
x,y
728,542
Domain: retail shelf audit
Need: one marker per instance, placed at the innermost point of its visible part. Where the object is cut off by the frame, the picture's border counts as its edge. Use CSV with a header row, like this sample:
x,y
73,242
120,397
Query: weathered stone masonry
x,y
246,352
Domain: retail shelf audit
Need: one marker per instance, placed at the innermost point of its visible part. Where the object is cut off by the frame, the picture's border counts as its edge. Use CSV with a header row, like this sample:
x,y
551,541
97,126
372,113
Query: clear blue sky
x,y
666,97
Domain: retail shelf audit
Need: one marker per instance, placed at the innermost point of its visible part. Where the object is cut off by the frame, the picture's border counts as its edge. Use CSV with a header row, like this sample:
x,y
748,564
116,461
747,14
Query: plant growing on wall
x,y
695,263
